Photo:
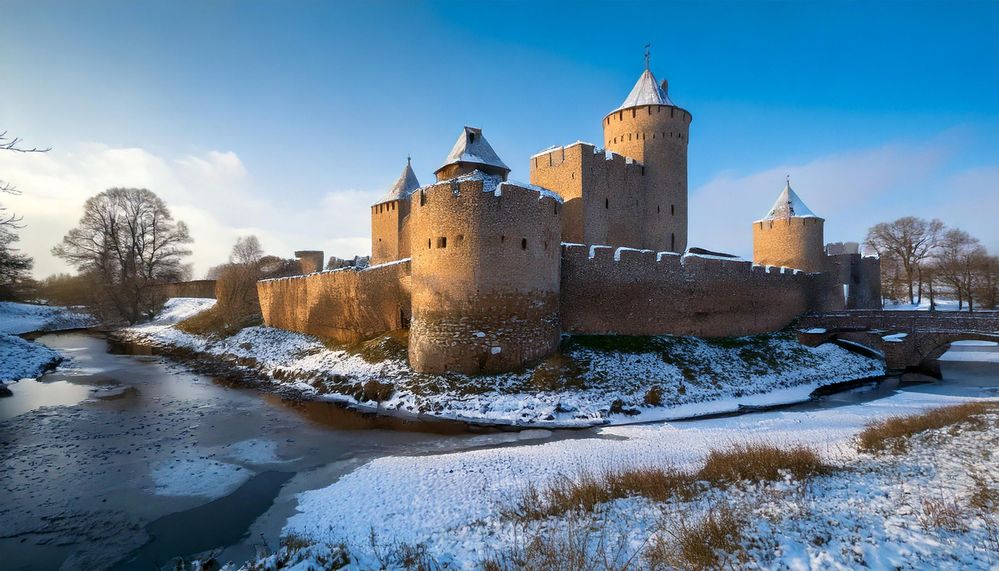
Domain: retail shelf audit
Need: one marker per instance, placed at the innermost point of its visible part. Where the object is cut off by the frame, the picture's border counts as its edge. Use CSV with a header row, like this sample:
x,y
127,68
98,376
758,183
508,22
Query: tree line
x,y
925,259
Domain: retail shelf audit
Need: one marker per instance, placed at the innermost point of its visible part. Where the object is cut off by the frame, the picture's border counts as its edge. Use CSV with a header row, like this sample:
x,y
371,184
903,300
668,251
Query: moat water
x,y
126,461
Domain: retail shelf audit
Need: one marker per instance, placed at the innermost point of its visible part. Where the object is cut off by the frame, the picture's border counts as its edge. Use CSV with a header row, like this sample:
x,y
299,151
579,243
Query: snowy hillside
x,y
592,381
20,359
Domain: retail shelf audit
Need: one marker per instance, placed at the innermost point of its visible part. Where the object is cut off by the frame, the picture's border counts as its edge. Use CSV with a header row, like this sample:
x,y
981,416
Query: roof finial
x,y
647,46
409,160
787,179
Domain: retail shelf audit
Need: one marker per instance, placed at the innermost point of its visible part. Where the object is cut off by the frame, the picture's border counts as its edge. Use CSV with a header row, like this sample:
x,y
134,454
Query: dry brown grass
x,y
943,514
759,462
585,493
753,462
892,434
714,541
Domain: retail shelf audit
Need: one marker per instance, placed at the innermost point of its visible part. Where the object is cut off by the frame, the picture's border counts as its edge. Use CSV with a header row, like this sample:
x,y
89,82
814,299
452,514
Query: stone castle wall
x,y
194,288
861,277
485,276
344,305
388,242
608,291
793,242
656,136
603,193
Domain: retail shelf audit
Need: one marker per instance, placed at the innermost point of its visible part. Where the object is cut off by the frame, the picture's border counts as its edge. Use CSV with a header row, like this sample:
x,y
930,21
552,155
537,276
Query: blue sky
x,y
286,119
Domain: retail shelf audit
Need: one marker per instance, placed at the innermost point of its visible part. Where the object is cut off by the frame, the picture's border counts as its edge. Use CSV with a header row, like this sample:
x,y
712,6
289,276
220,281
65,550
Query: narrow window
x,y
672,210
523,243
502,238
620,115
546,244
657,209
556,209
442,241
633,112
606,203
672,242
428,243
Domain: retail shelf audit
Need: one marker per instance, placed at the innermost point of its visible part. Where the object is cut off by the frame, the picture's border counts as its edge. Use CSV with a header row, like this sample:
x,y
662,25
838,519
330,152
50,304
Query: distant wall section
x,y
193,288
345,305
628,292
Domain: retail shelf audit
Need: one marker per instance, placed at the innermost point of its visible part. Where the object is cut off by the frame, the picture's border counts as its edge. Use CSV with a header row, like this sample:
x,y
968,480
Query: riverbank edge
x,y
247,372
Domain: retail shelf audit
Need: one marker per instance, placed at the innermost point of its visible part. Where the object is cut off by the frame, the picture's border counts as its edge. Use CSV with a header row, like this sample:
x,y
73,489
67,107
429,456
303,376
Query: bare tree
x,y
959,256
985,282
910,241
14,266
247,250
129,241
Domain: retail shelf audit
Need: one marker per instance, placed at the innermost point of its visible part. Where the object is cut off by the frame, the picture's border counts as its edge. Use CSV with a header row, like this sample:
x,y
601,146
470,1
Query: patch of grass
x,y
892,434
215,322
390,346
654,396
723,468
939,513
984,497
712,542
759,462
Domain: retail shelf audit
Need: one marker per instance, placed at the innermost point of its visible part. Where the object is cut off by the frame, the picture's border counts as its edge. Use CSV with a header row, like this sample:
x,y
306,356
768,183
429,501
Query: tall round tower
x,y
650,129
790,235
486,267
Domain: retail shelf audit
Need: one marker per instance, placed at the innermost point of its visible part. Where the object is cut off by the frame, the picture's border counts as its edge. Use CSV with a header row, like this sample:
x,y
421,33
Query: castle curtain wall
x,y
645,293
343,305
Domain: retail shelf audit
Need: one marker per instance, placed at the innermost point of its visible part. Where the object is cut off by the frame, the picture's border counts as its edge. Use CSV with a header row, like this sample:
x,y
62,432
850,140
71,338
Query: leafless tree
x,y
985,282
959,256
14,266
129,241
910,241
247,250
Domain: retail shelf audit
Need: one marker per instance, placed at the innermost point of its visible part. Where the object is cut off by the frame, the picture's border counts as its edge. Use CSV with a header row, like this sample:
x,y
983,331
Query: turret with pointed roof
x,y
790,235
789,204
472,152
389,240
404,186
652,130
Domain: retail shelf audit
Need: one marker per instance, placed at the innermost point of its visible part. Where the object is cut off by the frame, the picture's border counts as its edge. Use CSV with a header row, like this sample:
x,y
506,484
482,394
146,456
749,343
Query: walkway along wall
x,y
345,305
640,292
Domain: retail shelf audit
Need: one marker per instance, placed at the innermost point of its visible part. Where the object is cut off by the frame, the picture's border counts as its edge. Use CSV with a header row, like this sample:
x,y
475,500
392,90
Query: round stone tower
x,y
650,129
485,276
790,235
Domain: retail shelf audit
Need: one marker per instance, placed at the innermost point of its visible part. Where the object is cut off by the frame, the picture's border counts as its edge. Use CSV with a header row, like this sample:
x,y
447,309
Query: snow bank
x,y
18,318
593,381
21,359
452,503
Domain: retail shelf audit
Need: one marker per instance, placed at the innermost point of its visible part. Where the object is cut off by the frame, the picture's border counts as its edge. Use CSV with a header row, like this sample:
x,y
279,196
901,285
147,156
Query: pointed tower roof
x,y
403,187
473,150
646,92
789,205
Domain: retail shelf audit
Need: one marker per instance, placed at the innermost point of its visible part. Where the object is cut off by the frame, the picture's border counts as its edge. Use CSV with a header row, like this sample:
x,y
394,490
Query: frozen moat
x,y
123,461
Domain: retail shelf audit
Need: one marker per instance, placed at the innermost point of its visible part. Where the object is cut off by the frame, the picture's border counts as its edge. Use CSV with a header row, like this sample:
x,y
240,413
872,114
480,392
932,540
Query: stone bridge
x,y
906,340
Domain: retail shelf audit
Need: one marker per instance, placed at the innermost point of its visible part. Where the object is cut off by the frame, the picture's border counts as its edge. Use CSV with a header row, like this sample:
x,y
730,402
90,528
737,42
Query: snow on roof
x,y
646,92
472,147
404,186
789,205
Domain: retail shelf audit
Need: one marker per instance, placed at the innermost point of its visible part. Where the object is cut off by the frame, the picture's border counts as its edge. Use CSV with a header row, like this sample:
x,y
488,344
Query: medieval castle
x,y
488,273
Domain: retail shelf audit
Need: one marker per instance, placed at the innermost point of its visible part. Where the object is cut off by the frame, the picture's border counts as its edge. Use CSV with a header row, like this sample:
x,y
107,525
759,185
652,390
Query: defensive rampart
x,y
194,288
609,291
345,305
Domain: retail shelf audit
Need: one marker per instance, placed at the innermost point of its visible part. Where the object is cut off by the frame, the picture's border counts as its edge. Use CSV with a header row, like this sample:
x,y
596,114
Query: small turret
x,y
790,235
472,152
389,239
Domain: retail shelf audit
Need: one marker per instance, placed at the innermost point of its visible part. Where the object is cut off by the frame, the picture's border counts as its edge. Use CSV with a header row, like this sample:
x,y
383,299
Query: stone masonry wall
x,y
793,242
344,305
656,136
604,193
194,288
485,276
628,292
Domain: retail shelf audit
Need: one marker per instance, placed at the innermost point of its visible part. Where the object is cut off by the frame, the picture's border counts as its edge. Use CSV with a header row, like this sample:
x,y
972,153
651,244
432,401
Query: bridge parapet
x,y
907,340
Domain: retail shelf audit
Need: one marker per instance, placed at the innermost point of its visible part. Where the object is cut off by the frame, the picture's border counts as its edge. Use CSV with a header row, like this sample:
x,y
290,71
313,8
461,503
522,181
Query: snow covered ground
x,y
924,305
931,508
593,381
20,359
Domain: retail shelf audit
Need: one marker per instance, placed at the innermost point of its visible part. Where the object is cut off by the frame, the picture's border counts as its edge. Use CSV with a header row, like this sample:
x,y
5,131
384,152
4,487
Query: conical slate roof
x,y
403,187
789,205
471,147
646,92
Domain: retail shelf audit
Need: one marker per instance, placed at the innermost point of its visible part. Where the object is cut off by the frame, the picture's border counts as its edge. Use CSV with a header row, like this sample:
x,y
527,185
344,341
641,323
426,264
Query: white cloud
x,y
852,191
214,193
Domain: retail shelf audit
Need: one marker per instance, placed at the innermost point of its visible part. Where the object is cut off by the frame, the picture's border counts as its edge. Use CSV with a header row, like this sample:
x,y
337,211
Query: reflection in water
x,y
30,394
335,415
